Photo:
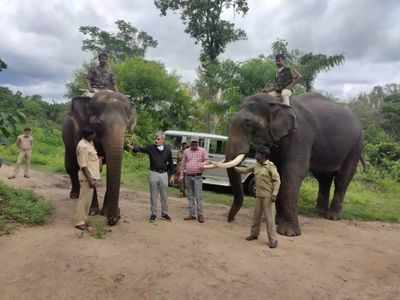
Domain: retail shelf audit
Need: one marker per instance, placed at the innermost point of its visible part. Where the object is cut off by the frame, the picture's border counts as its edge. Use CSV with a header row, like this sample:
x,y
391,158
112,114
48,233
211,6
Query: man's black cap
x,y
263,150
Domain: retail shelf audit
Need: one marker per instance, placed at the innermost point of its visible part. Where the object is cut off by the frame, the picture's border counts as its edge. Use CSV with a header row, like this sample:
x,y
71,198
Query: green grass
x,y
378,201
372,196
100,226
23,207
48,150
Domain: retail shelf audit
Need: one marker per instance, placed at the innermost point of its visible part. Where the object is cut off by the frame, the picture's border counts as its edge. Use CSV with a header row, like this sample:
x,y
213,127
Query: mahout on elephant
x,y
110,114
327,142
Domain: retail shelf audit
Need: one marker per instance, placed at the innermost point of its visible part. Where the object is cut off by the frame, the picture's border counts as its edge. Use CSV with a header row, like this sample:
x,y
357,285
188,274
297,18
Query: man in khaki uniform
x,y
24,144
285,80
89,175
100,77
267,188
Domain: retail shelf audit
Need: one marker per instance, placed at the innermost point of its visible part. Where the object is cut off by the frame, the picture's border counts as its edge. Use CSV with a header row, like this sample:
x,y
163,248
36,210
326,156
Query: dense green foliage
x,y
18,111
128,42
20,206
379,113
161,101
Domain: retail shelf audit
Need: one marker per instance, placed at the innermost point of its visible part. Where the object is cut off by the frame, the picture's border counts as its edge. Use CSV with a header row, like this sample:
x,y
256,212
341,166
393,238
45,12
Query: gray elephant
x,y
314,134
110,114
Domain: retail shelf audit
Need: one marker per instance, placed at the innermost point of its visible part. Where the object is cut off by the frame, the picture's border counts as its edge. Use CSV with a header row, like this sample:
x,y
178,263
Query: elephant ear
x,y
282,121
80,108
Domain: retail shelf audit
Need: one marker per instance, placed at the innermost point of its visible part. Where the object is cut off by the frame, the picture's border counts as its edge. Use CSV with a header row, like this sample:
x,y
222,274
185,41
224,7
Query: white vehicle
x,y
215,145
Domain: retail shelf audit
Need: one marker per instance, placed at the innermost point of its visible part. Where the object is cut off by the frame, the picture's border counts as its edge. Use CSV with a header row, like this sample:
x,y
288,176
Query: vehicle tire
x,y
251,186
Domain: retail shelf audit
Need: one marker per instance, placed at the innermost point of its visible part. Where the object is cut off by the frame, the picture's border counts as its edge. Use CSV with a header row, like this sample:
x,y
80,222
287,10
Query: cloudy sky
x,y
41,43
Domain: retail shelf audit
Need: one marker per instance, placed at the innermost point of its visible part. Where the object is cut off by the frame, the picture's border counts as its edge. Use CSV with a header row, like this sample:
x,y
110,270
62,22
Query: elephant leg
x,y
287,211
94,207
342,180
111,212
292,174
75,185
104,210
325,183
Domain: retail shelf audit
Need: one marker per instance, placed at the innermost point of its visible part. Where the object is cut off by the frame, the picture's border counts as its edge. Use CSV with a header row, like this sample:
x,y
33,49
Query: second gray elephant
x,y
328,141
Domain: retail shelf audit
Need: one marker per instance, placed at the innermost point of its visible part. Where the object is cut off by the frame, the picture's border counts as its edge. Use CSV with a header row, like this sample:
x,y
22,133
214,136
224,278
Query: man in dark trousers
x,y
161,165
100,77
285,80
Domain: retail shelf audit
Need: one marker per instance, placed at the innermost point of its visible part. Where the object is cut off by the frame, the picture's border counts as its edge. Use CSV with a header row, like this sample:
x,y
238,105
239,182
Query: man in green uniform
x,y
285,80
100,77
267,188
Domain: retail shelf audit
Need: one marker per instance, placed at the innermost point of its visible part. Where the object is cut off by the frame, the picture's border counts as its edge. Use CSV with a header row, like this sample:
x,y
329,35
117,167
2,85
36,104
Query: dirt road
x,y
188,260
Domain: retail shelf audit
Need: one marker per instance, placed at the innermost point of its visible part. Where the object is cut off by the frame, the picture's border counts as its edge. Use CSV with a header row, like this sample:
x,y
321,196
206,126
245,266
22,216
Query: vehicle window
x,y
201,142
217,147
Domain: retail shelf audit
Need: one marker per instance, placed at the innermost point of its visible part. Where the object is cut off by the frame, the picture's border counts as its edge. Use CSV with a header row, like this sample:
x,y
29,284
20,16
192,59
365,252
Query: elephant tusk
x,y
211,165
232,163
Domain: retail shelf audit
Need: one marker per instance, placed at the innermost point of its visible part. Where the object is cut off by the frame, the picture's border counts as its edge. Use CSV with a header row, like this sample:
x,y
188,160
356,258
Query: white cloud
x,y
42,44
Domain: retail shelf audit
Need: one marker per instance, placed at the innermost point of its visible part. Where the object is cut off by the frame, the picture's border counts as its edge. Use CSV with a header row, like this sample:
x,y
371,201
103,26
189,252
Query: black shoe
x,y
166,217
153,218
273,244
251,238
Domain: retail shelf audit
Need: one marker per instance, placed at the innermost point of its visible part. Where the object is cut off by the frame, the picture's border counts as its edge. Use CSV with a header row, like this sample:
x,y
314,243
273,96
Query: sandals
x,y
82,227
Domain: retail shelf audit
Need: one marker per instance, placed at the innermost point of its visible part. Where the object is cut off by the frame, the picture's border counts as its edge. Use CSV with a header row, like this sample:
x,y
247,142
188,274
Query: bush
x,y
23,206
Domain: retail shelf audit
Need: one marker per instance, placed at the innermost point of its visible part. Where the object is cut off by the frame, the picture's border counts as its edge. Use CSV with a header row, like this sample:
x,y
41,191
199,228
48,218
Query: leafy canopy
x,y
3,65
161,100
127,42
204,23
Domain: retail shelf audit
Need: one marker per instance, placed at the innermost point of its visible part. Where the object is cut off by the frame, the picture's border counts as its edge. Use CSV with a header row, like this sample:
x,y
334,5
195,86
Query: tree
x,y
161,100
391,115
309,64
204,24
9,122
128,42
78,82
3,65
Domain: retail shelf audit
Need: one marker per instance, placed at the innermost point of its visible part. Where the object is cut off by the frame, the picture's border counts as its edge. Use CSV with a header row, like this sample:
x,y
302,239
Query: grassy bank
x,y
371,196
21,207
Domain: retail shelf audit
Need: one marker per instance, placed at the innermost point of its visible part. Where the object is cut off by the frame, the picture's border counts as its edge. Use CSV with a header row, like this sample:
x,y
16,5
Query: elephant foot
x,y
113,220
322,212
288,229
74,195
333,215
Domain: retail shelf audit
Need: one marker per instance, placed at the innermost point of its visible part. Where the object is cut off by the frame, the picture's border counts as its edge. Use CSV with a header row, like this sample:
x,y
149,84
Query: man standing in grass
x,y
194,161
267,188
161,165
24,145
89,175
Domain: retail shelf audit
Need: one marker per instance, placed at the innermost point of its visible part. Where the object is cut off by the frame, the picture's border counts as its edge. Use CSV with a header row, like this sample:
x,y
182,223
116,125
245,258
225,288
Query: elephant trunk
x,y
113,143
237,145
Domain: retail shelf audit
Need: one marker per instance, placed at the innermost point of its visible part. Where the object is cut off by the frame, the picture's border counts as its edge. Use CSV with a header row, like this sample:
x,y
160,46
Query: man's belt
x,y
195,174
159,170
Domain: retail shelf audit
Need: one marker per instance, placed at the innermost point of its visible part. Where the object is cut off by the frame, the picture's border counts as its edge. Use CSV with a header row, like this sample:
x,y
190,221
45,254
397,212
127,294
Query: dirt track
x,y
181,260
